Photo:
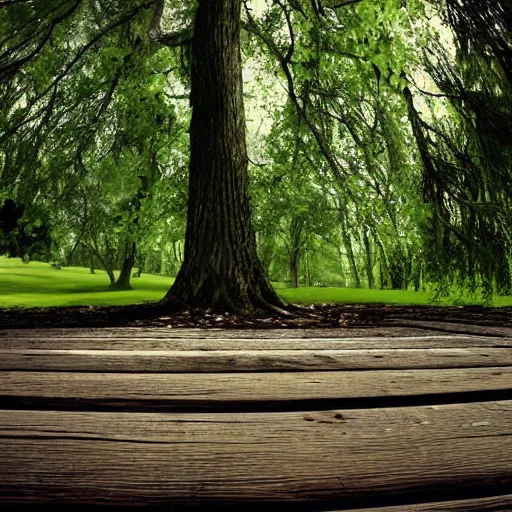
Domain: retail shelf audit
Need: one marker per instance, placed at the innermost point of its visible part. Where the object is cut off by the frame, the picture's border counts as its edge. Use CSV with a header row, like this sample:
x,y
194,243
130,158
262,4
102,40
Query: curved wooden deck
x,y
292,419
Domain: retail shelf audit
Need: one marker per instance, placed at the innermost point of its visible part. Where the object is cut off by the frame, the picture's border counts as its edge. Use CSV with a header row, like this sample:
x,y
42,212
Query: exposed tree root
x,y
351,319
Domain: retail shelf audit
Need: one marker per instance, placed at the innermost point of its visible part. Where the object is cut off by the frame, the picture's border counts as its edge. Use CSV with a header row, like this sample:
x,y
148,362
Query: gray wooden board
x,y
157,361
452,327
252,387
147,341
165,332
213,333
254,457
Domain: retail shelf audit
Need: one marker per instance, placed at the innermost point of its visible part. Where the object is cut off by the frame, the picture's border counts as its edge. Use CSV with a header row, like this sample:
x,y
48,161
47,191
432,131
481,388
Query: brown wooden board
x,y
147,341
249,391
158,361
337,455
165,332
275,334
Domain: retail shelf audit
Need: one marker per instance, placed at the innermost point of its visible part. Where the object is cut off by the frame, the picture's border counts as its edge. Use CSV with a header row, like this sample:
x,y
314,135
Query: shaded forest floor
x,y
476,320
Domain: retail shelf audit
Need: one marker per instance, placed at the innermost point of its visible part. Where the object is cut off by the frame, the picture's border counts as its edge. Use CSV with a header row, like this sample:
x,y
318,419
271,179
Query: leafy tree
x,y
90,101
18,238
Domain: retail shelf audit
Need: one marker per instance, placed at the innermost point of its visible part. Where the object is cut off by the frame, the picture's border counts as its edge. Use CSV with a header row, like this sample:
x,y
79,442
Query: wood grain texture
x,y
388,327
146,341
494,503
361,446
158,361
209,334
249,390
460,326
253,458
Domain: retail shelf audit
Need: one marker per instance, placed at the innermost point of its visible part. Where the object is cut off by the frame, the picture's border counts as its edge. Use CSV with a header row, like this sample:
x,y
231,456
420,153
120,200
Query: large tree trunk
x,y
221,269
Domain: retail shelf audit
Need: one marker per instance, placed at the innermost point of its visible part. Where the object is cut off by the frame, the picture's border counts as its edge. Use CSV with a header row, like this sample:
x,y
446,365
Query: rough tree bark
x,y
221,269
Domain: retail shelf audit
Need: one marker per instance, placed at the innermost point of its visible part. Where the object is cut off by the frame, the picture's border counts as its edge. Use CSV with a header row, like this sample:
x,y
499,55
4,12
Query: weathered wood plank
x,y
145,341
184,333
461,326
127,332
157,361
254,458
495,503
248,391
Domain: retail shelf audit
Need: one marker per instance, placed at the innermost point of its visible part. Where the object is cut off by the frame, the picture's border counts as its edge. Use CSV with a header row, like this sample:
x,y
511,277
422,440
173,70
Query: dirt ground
x,y
475,320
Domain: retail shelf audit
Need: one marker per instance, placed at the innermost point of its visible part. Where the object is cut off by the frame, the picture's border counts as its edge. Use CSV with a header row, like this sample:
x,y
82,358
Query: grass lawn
x,y
364,296
38,284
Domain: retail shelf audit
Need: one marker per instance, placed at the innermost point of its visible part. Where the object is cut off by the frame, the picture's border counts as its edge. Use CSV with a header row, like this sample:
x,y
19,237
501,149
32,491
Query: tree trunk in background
x,y
383,263
69,257
123,281
108,269
141,261
105,261
307,262
294,271
295,250
369,259
221,269
347,242
342,269
417,274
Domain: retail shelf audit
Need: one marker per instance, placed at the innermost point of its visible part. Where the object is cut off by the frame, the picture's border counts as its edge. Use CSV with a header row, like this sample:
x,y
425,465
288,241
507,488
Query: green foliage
x,y
383,150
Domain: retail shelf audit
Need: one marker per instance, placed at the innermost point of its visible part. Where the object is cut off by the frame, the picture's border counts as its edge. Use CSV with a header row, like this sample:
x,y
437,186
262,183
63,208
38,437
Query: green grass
x,y
364,296
327,295
38,284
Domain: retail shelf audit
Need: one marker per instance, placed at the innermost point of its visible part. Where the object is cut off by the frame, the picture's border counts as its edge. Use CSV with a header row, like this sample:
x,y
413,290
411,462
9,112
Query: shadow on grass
x,y
55,290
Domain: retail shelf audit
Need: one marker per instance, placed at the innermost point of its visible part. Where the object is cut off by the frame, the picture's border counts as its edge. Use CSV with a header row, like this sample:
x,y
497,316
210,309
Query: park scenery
x,y
256,255
254,154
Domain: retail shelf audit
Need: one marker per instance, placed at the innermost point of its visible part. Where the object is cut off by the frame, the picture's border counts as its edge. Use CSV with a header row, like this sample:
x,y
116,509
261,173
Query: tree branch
x,y
9,69
172,40
176,39
323,145
7,3
55,82
342,4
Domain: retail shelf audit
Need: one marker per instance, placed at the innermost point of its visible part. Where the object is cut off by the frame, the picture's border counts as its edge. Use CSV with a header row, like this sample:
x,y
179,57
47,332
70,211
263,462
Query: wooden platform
x,y
288,419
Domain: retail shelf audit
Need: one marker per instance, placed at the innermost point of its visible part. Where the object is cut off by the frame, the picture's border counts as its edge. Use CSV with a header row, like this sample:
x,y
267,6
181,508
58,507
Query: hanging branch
x,y
10,68
284,60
